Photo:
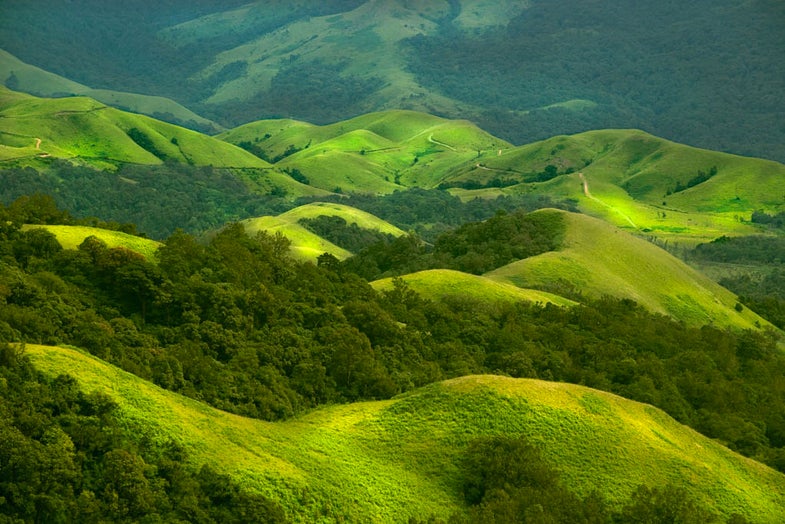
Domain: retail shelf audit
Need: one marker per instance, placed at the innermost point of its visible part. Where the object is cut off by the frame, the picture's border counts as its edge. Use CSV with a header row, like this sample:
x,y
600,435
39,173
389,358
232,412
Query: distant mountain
x,y
705,73
20,76
399,458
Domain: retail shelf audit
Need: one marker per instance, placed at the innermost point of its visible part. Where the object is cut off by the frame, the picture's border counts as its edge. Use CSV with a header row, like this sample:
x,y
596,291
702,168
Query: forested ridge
x,y
238,324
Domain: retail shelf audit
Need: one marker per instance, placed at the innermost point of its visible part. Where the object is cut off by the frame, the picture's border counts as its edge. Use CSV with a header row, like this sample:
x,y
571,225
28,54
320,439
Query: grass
x,y
629,173
307,245
32,79
390,460
443,283
70,237
85,130
599,259
373,153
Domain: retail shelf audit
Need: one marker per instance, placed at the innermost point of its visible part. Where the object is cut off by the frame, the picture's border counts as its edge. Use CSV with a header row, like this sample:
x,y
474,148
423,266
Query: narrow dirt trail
x,y
38,143
588,195
432,141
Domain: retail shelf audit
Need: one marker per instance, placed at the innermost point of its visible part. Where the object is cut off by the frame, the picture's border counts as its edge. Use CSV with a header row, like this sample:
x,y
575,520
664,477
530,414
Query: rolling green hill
x,y
632,179
599,259
23,77
390,460
82,129
70,237
446,283
307,245
524,70
372,153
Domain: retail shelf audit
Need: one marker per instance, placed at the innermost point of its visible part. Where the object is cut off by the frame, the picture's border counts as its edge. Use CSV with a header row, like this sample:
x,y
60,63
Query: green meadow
x,y
390,460
84,130
629,178
439,284
70,237
598,259
374,153
307,245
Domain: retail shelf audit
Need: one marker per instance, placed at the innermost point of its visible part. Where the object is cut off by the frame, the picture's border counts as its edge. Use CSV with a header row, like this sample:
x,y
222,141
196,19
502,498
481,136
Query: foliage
x,y
700,178
774,221
646,68
65,457
431,212
157,200
240,325
757,249
348,236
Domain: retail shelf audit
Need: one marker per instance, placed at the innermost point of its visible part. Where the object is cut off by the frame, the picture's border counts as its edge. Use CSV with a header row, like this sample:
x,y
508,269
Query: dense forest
x,y
160,199
683,72
238,324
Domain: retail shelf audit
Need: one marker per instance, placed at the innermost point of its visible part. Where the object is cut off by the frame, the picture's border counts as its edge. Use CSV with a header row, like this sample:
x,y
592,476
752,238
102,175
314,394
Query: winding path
x,y
38,143
588,194
432,141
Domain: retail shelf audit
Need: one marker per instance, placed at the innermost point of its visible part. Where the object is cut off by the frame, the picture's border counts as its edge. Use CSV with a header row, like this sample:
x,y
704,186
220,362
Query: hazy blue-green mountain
x,y
705,73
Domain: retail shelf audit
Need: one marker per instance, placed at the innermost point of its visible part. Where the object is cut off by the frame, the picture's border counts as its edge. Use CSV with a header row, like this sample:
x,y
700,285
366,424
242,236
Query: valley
x,y
386,261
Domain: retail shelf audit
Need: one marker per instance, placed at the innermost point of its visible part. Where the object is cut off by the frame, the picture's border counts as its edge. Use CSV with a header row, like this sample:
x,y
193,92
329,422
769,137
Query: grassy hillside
x,y
445,283
598,259
375,153
85,130
387,461
24,77
631,179
524,70
70,237
307,245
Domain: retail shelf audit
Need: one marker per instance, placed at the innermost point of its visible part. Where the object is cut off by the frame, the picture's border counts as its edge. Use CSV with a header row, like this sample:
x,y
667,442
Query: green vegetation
x,y
751,267
375,153
407,456
448,284
599,260
472,248
524,71
84,130
70,237
20,76
67,456
627,177
239,324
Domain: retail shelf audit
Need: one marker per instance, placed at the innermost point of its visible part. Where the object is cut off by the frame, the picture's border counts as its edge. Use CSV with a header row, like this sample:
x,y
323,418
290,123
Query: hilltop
x,y
439,284
385,461
20,76
637,181
70,237
307,245
84,130
374,153
598,259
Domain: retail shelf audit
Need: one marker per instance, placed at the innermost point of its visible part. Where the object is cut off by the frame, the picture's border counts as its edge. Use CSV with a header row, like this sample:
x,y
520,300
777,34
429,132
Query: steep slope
x,y
376,152
307,245
83,129
390,460
70,237
598,259
446,283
